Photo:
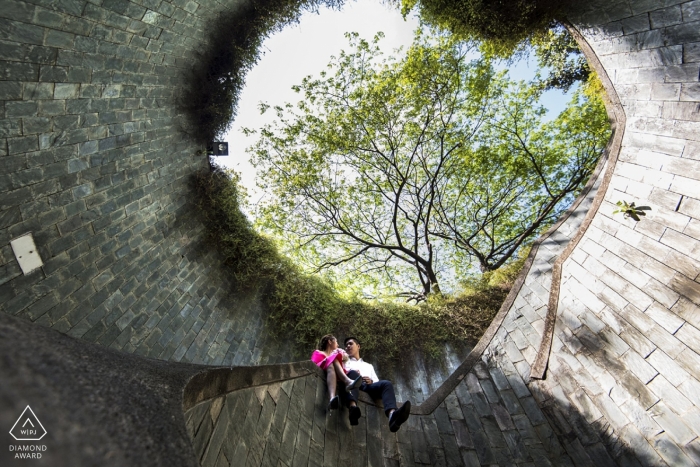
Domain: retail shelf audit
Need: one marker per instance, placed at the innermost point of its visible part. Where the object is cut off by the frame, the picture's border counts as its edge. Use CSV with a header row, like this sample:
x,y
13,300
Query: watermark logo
x,y
28,427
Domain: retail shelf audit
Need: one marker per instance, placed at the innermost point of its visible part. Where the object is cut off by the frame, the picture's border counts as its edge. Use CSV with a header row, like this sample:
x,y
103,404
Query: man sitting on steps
x,y
372,385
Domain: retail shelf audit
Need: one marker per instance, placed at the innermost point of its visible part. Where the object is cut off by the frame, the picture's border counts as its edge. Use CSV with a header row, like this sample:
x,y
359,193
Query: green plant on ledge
x,y
630,210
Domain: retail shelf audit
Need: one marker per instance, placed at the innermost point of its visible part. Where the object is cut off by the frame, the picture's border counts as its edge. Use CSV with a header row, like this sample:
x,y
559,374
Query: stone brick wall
x,y
622,381
625,350
93,163
490,418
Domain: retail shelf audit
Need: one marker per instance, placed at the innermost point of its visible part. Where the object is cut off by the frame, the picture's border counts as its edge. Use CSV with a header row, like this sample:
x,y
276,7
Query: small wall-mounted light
x,y
26,253
217,148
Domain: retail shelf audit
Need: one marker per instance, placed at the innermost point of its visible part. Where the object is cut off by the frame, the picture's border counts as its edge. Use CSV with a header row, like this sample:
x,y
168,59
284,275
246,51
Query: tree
x,y
502,25
557,50
509,29
408,170
520,175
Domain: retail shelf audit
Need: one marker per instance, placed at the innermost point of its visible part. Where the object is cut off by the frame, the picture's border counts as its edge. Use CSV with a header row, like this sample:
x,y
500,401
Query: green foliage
x,y
399,172
508,29
251,258
503,25
217,75
506,275
367,130
557,50
522,172
593,89
308,306
630,210
218,71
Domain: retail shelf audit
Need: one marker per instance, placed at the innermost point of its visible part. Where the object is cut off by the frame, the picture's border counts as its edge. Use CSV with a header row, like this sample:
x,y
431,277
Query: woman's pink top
x,y
323,362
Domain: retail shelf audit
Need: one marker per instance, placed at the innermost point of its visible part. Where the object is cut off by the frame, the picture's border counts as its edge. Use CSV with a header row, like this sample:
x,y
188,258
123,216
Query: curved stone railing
x,y
272,421
618,120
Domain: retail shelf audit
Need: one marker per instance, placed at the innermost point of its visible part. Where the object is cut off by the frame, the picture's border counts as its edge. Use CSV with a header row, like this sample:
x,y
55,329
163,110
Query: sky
x,y
305,49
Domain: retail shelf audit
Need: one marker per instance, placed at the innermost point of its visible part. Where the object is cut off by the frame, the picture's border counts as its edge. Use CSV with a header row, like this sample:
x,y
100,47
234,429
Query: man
x,y
372,385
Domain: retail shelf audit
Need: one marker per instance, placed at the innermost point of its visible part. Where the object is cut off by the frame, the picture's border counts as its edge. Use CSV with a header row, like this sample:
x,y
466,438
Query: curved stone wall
x,y
95,166
93,163
491,418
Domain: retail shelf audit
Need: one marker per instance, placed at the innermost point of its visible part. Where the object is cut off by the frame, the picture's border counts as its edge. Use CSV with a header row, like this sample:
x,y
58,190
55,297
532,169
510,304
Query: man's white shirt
x,y
362,367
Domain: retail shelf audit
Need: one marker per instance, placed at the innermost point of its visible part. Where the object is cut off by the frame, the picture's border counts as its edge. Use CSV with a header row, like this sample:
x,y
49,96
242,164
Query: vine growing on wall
x,y
631,211
217,75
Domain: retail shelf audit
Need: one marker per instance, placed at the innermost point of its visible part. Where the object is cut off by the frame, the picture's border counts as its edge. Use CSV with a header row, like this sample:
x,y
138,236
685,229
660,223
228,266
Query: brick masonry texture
x,y
94,165
485,421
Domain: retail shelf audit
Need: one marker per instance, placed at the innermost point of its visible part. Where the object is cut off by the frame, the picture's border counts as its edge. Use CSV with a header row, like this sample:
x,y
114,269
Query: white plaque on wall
x,y
26,253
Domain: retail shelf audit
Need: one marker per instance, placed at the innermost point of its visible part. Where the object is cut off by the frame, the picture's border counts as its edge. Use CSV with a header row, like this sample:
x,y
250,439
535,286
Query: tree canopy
x,y
557,51
508,29
500,24
413,171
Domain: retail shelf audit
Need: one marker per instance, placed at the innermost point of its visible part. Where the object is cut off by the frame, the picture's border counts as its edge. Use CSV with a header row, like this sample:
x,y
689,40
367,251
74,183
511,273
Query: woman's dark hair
x,y
325,340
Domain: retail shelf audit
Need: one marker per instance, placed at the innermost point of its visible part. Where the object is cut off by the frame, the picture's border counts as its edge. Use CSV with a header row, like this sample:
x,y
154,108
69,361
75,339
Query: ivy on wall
x,y
233,47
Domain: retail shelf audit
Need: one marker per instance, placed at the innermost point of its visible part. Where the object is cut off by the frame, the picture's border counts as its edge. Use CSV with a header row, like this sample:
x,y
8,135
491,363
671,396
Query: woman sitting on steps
x,y
330,358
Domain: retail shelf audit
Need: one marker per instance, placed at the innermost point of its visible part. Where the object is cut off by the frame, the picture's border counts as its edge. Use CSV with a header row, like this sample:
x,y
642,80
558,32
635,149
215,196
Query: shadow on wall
x,y
98,406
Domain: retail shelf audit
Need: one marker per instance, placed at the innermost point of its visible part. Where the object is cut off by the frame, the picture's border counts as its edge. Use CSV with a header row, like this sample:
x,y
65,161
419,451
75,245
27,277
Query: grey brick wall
x,y
491,418
92,162
622,383
623,367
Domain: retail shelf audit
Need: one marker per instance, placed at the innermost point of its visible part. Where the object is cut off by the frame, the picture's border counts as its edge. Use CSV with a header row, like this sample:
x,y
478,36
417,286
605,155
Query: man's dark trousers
x,y
382,389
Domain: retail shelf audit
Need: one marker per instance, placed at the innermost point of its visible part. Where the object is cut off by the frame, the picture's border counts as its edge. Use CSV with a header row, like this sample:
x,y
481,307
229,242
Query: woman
x,y
330,358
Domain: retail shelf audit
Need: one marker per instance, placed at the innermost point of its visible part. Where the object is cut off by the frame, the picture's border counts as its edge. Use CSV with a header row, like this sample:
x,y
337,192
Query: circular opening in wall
x,y
403,190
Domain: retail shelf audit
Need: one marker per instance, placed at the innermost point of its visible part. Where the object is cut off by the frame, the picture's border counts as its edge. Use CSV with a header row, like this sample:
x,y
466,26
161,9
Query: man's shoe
x,y
399,416
355,384
355,415
334,403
